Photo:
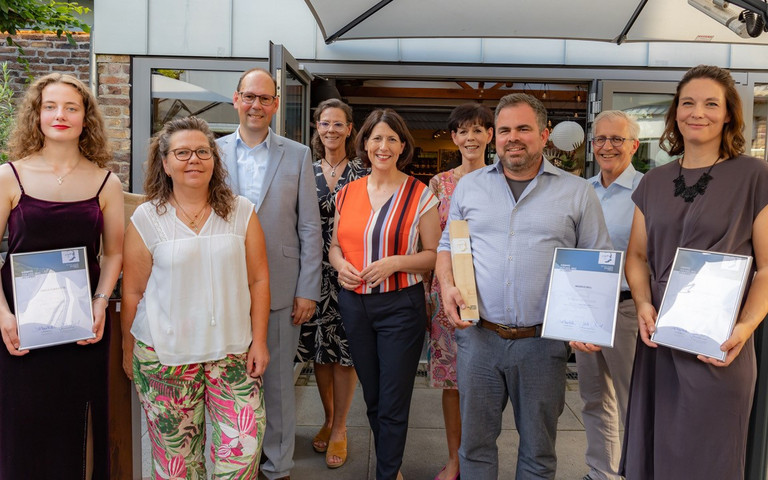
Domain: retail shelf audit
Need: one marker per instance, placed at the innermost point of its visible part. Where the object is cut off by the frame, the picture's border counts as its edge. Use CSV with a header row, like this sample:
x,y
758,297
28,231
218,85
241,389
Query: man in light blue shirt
x,y
518,211
604,374
251,166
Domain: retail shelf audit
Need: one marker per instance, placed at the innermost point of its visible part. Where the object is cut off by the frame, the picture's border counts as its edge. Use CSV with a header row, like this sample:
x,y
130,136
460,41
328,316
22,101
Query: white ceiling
x,y
660,20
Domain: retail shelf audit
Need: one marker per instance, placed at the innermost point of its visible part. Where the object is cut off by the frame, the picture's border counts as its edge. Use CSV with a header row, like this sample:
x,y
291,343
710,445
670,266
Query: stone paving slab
x,y
425,451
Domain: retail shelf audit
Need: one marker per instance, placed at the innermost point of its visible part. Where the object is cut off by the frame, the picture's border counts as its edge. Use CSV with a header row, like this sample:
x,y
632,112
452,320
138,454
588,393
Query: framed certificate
x,y
52,297
702,301
583,295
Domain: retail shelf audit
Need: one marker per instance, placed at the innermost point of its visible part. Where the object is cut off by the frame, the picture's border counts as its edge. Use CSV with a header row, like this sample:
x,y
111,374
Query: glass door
x,y
292,119
169,88
648,103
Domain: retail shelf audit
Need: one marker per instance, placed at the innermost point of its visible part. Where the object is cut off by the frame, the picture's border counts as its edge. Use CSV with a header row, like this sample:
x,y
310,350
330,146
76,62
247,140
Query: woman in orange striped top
x,y
380,221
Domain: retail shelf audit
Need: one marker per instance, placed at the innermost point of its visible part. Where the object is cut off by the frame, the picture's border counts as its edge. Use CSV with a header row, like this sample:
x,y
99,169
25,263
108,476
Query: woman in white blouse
x,y
195,309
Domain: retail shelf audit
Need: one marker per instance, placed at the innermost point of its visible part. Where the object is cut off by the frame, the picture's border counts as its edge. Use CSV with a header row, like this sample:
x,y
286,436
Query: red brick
x,y
109,110
113,58
114,100
57,53
111,79
64,69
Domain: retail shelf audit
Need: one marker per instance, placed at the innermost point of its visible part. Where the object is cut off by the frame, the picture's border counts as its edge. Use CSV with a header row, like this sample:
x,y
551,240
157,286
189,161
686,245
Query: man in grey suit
x,y
276,174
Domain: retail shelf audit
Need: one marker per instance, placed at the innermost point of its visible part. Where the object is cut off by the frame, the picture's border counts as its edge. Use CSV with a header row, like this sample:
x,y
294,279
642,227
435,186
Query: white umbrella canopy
x,y
166,87
606,20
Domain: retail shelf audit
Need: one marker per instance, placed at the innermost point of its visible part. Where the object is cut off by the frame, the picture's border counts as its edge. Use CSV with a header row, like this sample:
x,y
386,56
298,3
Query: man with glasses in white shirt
x,y
604,373
276,174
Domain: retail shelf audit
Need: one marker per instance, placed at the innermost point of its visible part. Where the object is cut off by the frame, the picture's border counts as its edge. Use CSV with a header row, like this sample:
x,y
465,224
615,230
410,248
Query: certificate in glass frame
x,y
52,297
584,288
702,301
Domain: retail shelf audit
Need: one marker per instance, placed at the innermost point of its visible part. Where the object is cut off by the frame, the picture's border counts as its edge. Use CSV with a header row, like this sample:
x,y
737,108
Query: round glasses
x,y
615,141
264,99
184,154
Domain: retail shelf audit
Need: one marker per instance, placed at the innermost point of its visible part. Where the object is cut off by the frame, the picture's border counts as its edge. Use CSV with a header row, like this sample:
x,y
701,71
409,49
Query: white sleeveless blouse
x,y
196,306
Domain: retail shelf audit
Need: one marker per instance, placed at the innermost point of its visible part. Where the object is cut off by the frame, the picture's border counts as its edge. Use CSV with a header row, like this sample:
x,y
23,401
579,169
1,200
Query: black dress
x,y
323,338
45,395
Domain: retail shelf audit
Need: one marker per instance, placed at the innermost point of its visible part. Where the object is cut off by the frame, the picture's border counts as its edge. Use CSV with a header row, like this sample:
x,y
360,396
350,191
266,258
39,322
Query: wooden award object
x,y
463,269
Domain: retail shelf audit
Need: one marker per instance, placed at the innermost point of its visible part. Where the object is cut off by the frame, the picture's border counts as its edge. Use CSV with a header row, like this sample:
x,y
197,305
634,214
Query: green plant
x,y
58,17
6,110
175,74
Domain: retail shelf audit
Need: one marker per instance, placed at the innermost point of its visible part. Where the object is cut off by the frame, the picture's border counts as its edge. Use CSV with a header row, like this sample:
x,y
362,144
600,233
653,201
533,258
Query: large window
x,y
168,88
204,93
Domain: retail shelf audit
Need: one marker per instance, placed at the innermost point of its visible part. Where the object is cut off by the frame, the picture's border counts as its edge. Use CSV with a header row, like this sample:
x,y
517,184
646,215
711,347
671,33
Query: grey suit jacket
x,y
290,217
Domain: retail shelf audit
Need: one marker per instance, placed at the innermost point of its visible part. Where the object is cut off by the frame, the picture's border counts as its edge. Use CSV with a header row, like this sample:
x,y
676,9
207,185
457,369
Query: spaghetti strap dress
x,y
45,395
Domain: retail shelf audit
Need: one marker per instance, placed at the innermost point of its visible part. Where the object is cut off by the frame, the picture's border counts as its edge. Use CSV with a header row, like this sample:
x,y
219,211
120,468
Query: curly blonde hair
x,y
27,137
158,186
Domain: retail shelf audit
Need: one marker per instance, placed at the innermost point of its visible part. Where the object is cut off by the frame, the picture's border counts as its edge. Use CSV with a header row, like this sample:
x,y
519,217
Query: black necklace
x,y
333,167
698,188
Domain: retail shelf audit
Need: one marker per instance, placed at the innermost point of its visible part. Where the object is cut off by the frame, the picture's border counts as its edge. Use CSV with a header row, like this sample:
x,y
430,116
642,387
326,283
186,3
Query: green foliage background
x,y
6,110
58,17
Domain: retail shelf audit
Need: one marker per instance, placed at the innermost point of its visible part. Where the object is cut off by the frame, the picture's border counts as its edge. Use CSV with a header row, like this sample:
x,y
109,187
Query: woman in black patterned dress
x,y
323,338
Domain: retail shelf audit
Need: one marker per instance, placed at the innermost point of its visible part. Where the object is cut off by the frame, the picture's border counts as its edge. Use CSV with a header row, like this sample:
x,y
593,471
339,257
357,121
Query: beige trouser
x,y
604,387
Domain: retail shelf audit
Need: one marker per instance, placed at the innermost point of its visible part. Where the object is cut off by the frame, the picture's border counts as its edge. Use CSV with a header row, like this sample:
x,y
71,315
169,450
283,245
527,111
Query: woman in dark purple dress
x,y
56,194
688,415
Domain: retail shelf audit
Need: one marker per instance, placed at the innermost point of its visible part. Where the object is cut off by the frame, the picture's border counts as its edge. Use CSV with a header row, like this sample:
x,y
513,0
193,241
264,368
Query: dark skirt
x,y
685,418
45,396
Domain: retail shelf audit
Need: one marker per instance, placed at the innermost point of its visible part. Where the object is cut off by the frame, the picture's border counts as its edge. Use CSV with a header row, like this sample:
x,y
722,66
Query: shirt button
x,y
509,309
509,283
511,234
510,257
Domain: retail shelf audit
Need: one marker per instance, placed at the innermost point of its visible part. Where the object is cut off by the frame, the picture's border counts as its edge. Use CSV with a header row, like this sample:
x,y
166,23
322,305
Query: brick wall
x,y
47,54
114,72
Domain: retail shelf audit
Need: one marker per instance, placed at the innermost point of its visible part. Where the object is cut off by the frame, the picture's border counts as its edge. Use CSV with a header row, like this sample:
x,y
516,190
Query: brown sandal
x,y
336,449
322,436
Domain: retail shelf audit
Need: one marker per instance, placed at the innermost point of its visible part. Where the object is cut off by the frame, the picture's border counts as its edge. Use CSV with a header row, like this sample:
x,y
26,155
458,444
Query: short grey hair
x,y
634,127
514,99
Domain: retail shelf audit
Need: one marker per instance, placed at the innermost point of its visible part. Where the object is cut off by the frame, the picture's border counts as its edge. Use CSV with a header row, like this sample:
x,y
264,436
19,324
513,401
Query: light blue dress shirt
x,y
251,167
618,208
513,242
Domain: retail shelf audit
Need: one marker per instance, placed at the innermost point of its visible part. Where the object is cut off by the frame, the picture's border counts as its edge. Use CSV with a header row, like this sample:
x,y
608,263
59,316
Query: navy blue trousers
x,y
386,335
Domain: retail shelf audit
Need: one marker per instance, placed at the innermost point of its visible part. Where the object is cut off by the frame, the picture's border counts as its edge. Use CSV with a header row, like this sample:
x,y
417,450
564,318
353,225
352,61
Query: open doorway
x,y
426,104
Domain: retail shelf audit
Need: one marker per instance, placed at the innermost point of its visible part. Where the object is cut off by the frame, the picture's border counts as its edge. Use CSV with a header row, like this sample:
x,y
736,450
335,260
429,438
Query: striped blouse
x,y
366,235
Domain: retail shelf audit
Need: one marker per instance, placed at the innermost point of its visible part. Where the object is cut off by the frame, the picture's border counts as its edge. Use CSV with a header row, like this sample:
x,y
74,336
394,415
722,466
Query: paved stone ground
x,y
425,451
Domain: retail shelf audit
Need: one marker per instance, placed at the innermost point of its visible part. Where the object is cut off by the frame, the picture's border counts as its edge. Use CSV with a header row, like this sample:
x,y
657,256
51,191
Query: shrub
x,y
6,110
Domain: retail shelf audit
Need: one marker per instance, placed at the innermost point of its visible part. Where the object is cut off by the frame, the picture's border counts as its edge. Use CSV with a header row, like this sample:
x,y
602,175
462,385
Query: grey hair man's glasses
x,y
615,141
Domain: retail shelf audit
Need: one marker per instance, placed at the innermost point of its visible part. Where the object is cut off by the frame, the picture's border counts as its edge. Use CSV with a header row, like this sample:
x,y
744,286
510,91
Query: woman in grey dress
x,y
688,415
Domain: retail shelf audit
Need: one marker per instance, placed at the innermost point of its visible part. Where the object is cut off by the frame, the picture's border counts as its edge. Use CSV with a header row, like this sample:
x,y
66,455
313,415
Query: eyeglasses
x,y
615,141
264,99
335,125
184,154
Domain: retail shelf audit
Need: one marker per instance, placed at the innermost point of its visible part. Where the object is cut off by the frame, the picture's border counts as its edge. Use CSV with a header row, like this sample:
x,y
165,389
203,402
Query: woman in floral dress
x,y
323,339
471,127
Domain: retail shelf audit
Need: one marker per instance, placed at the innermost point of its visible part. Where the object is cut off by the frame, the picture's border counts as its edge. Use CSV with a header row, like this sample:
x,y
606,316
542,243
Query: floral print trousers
x,y
175,398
